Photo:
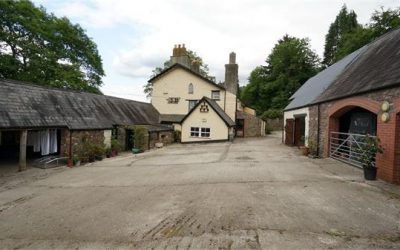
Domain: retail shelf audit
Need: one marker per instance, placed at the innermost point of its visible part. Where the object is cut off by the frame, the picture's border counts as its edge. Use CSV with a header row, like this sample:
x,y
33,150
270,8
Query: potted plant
x,y
108,152
98,152
304,149
115,147
368,150
76,160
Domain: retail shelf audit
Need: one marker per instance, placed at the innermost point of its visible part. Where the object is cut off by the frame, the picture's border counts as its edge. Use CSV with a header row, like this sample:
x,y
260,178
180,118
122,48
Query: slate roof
x,y
171,118
317,84
376,68
159,128
180,66
220,112
25,105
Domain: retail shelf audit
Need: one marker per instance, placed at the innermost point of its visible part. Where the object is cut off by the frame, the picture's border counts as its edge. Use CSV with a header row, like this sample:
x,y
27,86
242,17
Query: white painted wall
x,y
107,138
290,115
219,130
176,84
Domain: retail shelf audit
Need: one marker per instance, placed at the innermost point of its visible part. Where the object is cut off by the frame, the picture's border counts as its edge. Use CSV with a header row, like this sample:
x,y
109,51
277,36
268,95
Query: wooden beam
x,y
22,150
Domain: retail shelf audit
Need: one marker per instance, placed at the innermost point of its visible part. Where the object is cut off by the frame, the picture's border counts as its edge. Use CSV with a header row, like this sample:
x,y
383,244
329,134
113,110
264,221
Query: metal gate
x,y
346,147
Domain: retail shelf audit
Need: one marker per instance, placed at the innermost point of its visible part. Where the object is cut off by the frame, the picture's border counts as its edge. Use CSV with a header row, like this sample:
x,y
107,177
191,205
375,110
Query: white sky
x,y
134,37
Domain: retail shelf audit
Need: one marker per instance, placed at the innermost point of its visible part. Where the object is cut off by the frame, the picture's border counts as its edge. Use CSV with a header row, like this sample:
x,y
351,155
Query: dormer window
x,y
190,88
215,95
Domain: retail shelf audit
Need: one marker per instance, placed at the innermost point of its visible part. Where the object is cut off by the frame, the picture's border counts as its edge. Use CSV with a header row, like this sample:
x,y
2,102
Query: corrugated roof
x,y
25,105
220,112
317,84
376,68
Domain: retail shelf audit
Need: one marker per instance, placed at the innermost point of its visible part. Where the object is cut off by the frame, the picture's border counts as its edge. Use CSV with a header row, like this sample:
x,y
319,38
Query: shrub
x,y
115,145
140,138
272,114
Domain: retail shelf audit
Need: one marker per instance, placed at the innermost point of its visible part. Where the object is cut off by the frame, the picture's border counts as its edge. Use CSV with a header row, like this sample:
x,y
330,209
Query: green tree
x,y
381,22
39,47
289,65
345,23
204,71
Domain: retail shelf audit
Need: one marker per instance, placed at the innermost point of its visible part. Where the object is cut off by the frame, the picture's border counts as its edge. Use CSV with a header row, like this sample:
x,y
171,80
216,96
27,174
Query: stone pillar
x,y
22,150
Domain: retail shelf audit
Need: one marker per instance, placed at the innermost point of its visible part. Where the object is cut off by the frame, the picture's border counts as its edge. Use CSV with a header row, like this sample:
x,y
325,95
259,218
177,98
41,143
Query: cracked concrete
x,y
250,194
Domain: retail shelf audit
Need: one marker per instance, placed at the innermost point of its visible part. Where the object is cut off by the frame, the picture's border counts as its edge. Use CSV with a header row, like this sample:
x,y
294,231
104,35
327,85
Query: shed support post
x,y
22,150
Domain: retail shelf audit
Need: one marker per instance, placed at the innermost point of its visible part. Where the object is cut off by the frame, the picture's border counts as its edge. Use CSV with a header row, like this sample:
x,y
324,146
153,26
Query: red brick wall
x,y
388,162
397,150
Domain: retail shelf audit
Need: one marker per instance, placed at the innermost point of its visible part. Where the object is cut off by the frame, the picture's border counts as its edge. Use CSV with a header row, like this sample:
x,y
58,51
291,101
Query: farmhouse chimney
x,y
231,74
195,67
180,55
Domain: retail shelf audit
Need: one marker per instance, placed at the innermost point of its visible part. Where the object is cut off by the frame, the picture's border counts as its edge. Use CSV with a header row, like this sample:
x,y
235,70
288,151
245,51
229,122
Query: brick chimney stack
x,y
180,55
195,67
231,74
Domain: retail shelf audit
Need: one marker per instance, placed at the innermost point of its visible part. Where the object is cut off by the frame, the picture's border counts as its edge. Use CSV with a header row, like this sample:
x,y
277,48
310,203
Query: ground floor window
x,y
200,132
205,132
194,131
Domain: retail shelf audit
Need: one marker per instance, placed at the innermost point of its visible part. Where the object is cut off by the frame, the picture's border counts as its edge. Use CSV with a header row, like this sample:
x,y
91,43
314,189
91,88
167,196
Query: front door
x,y
299,131
289,132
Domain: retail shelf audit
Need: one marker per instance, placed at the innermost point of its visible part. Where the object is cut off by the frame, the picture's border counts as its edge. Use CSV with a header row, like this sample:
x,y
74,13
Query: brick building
x,y
358,95
37,121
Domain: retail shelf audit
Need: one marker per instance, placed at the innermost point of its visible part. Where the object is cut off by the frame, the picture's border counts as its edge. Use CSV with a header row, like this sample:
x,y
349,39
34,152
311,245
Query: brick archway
x,y
341,107
387,132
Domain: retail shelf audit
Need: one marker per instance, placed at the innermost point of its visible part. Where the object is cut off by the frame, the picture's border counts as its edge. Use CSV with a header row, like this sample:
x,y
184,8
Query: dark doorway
x,y
299,130
240,127
358,121
129,139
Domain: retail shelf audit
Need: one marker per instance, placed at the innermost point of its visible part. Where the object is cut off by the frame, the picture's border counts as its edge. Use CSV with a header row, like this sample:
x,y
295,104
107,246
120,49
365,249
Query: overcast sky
x,y
134,37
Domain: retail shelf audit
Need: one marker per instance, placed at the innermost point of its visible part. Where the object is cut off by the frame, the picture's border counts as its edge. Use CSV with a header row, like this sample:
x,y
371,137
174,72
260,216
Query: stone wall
x,y
275,124
166,137
253,126
78,138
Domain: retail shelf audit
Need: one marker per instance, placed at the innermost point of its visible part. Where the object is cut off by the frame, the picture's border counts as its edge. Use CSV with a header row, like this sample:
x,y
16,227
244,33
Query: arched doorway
x,y
349,124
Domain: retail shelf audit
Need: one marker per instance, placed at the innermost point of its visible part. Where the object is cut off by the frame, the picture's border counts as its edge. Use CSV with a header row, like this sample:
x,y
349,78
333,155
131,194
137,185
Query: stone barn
x,y
39,121
362,97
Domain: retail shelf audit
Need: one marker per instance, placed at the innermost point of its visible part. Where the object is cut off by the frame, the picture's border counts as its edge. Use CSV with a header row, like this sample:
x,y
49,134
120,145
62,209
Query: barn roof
x,y
317,84
25,105
376,68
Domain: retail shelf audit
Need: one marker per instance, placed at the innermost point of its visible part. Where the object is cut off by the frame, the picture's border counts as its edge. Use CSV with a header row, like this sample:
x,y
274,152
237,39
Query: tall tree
x,y
345,23
382,21
39,47
204,71
289,65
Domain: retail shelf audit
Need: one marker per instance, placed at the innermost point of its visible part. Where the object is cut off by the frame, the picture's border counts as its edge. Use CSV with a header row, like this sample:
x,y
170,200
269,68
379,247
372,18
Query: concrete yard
x,y
250,194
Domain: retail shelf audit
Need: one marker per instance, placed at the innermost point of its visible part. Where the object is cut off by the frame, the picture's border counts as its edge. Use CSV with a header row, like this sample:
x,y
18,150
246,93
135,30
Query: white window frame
x,y
200,132
194,131
205,132
214,92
